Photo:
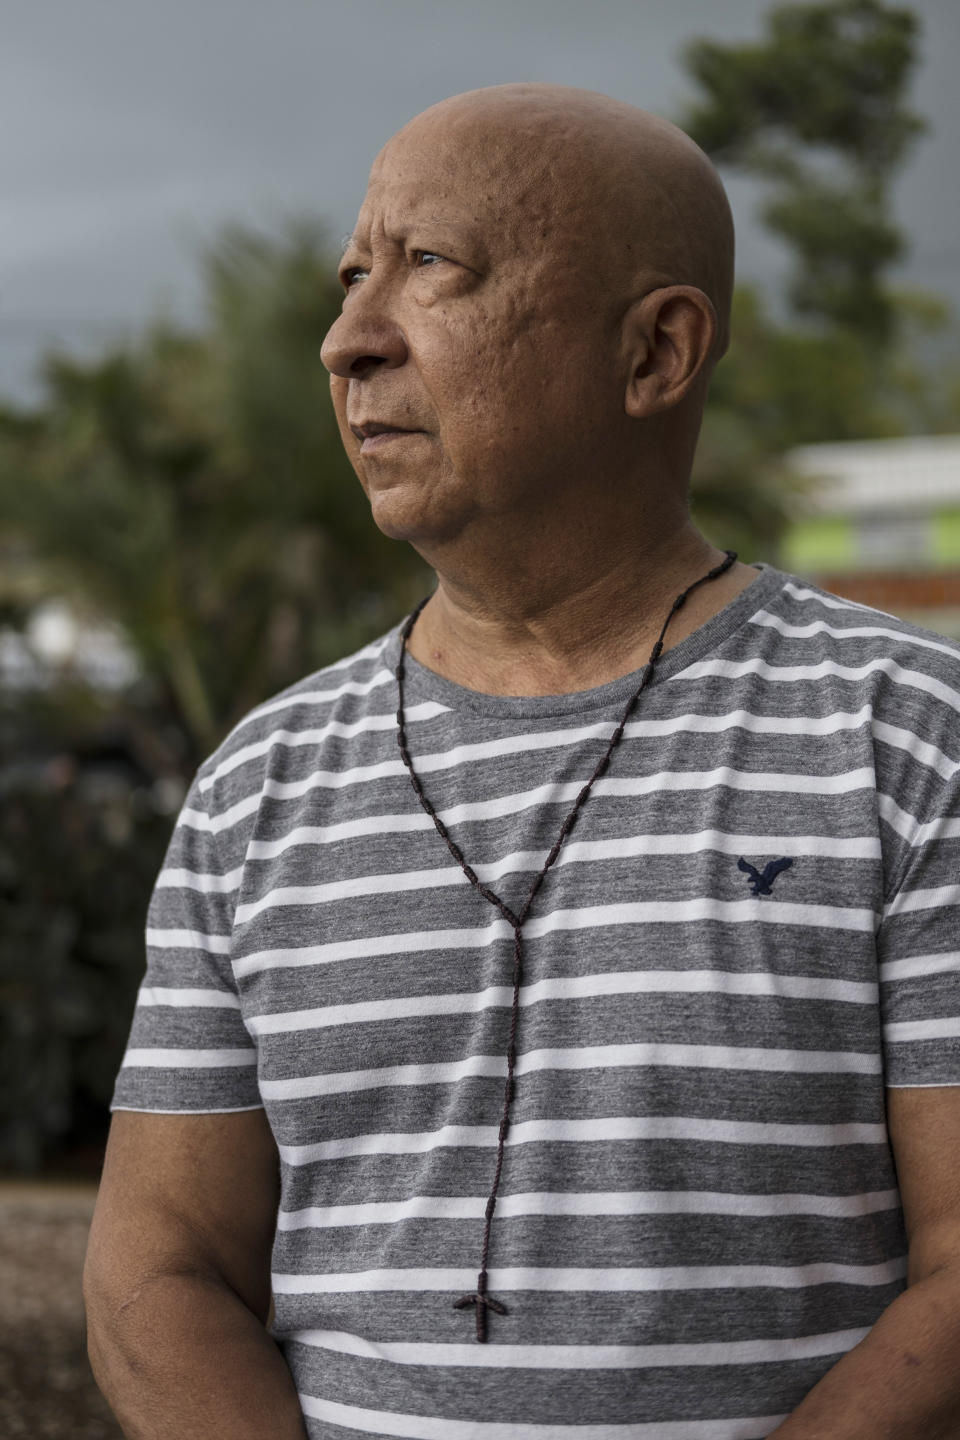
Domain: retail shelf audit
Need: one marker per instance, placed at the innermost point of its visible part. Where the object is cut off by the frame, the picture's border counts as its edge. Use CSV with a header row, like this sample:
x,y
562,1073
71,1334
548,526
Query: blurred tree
x,y
79,850
192,489
814,109
195,490
817,109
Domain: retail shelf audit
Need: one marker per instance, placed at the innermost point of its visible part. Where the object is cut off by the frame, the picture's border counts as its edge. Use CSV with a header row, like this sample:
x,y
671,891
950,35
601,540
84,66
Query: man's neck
x,y
506,639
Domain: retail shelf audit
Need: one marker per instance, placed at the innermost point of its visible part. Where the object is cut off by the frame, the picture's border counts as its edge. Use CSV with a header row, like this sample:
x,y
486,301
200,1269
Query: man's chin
x,y
405,512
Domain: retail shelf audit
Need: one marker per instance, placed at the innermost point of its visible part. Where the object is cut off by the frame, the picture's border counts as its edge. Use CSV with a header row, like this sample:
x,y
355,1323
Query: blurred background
x,y
180,535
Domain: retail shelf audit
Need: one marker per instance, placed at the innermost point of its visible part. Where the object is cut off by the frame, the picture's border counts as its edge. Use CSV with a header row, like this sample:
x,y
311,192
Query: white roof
x,y
920,472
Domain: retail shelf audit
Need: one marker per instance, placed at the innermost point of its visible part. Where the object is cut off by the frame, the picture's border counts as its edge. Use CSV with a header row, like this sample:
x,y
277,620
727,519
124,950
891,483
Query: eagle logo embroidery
x,y
761,881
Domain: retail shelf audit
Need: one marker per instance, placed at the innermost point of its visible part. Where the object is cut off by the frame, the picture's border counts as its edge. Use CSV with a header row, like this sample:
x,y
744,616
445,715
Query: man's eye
x,y
422,258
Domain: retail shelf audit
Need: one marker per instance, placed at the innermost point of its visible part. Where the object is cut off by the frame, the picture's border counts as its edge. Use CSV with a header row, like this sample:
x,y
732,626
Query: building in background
x,y
882,526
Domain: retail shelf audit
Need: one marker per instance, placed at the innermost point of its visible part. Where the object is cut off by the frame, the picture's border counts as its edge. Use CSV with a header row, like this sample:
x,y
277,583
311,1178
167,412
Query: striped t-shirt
x,y
750,932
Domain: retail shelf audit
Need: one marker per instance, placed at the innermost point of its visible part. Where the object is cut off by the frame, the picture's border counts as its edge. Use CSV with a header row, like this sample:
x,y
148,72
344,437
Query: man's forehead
x,y
483,185
397,212
449,168
509,144
515,163
461,199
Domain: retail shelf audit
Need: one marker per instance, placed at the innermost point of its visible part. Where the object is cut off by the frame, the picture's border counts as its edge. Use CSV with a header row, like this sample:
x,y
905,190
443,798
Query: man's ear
x,y
669,335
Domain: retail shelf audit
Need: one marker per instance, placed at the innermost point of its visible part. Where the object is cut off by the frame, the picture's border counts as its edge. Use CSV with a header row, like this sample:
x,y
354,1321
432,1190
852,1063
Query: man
x,y
593,1051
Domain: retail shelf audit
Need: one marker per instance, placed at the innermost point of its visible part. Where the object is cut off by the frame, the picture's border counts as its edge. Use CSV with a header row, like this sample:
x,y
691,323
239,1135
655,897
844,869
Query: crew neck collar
x,y
421,683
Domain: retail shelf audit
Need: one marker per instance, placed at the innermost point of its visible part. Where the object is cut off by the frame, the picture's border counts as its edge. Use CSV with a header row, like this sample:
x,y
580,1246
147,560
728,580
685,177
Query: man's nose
x,y
362,338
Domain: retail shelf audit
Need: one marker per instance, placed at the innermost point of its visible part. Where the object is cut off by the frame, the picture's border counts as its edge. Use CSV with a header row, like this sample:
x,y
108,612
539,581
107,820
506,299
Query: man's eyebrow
x,y
463,237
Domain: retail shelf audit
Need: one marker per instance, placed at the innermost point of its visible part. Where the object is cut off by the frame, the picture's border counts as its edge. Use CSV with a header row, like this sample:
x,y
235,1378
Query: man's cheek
x,y
338,398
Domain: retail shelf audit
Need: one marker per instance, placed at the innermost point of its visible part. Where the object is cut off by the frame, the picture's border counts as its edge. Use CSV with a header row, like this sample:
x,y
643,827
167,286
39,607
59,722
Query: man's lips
x,y
374,434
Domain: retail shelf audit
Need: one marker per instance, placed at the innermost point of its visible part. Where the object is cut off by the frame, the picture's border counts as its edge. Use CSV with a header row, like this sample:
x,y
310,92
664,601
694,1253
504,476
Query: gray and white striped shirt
x,y
698,1213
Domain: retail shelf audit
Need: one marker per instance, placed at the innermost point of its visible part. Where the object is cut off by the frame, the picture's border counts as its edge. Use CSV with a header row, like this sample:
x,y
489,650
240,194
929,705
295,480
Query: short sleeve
x,y
919,935
189,1050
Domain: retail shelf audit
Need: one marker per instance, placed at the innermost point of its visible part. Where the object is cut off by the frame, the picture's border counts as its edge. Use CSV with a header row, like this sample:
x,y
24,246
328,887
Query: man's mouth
x,y
373,434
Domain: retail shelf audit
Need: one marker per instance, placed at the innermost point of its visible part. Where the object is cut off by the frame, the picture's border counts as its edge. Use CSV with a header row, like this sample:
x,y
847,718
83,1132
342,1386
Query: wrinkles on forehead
x,y
396,210
501,180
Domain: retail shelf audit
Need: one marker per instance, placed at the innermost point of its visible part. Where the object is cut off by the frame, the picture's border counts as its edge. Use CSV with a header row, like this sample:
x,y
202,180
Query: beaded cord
x,y
479,1297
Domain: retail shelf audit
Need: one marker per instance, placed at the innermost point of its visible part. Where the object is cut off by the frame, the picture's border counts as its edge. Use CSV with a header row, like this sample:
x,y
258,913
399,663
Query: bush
x,y
81,841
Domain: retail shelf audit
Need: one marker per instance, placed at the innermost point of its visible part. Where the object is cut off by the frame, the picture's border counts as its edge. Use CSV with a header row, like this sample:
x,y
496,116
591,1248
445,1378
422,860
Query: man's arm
x,y
902,1382
177,1280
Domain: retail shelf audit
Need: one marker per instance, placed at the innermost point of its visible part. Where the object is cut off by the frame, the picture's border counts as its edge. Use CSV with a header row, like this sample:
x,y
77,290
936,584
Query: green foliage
x,y
826,74
194,489
80,847
191,489
816,108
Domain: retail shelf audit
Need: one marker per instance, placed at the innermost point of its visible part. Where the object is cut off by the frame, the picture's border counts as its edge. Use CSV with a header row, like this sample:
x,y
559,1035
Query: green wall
x,y
826,543
834,542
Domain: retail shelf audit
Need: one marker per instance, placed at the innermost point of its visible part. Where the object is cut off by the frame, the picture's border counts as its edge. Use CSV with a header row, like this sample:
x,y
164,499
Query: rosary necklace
x,y
479,1297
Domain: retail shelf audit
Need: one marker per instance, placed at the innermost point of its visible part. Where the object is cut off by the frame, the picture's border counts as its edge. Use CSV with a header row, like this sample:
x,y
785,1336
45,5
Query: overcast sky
x,y
132,127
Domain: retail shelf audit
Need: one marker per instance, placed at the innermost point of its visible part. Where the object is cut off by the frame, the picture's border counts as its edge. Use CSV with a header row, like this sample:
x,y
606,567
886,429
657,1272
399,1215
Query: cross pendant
x,y
483,1303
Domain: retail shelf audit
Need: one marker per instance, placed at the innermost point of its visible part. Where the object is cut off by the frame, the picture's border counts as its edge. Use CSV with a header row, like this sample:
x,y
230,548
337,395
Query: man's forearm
x,y
902,1382
184,1359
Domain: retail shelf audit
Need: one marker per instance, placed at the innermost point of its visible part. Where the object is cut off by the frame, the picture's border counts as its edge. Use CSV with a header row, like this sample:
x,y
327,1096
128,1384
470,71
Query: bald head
x,y
626,193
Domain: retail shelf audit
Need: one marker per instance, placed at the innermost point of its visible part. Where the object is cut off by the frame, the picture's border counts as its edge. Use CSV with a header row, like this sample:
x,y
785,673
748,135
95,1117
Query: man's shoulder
x,y
326,700
902,668
801,609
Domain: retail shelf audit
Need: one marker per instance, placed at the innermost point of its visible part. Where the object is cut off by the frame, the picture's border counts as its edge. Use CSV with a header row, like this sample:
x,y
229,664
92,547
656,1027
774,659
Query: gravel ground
x,y
46,1389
